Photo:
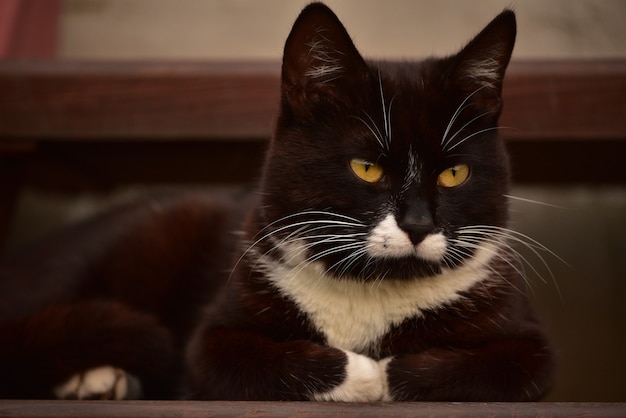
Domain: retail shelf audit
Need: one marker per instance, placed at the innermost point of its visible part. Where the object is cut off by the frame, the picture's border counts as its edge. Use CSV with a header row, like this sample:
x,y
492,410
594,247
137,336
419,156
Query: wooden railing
x,y
140,409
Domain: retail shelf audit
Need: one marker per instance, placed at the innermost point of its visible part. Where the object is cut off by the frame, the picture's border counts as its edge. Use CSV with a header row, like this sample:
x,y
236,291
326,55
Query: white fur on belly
x,y
353,315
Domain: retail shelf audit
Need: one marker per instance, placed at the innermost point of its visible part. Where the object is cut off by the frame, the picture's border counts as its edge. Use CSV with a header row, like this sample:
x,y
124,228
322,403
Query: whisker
x,y
377,134
327,252
456,114
382,99
482,131
518,236
536,202
339,221
389,136
534,246
349,260
449,140
497,254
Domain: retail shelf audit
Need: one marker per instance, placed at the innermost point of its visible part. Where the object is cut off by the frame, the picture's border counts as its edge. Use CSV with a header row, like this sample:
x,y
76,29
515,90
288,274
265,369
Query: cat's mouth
x,y
388,240
346,248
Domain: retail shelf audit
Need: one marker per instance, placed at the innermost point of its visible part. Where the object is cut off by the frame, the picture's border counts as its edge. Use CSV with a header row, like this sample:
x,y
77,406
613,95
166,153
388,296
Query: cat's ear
x,y
481,65
320,62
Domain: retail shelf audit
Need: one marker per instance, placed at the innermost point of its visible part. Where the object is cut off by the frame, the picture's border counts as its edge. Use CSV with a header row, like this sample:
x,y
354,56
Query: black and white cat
x,y
374,264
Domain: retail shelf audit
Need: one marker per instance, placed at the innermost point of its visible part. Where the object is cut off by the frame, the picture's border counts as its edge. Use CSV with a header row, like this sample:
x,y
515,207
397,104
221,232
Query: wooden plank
x,y
563,100
139,409
137,101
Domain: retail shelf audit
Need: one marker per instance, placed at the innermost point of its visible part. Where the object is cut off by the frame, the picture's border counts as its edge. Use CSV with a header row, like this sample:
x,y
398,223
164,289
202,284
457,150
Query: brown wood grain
x,y
565,100
137,101
139,409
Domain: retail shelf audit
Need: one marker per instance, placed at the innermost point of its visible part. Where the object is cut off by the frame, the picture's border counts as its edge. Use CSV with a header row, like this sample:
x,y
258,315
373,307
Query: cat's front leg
x,y
507,369
365,381
105,382
242,365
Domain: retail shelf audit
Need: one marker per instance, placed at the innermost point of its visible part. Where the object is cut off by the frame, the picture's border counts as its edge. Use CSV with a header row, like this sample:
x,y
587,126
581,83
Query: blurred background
x,y
236,29
584,304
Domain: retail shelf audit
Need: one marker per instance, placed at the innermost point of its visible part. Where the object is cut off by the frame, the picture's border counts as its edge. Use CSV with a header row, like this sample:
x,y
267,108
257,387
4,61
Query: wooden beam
x,y
563,100
139,409
137,101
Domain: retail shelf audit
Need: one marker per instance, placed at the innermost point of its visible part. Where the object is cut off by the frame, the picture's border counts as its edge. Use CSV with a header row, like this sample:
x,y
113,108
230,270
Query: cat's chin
x,y
400,269
417,262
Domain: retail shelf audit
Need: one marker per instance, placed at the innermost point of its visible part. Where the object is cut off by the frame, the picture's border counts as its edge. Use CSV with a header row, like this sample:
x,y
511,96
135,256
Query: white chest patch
x,y
354,315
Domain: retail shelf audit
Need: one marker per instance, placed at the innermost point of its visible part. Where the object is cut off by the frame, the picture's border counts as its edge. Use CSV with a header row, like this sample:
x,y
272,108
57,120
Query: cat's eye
x,y
454,176
369,172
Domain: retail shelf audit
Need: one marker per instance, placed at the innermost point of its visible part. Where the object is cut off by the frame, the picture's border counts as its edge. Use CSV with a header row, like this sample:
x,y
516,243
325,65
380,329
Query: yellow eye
x,y
453,176
369,172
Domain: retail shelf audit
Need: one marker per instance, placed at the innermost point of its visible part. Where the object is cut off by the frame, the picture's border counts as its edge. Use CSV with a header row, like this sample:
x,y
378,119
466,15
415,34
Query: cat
x,y
373,263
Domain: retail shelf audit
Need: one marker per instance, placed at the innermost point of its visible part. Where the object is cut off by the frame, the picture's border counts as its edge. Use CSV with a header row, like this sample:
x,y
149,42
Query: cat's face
x,y
381,170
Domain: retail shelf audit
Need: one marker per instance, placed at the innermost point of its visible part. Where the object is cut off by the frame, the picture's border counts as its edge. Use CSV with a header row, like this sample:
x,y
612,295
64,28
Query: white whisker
x,y
377,134
536,202
495,252
456,114
382,100
482,131
449,140
298,228
482,232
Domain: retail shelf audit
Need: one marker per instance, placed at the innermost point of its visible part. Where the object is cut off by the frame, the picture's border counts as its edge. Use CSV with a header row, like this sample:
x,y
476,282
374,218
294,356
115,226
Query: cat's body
x,y
373,265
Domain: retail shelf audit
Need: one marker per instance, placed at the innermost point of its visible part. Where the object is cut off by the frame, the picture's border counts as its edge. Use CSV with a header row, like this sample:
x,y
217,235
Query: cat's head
x,y
377,169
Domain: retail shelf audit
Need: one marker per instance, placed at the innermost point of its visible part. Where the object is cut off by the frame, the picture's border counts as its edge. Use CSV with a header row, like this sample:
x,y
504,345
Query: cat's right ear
x,y
479,68
321,65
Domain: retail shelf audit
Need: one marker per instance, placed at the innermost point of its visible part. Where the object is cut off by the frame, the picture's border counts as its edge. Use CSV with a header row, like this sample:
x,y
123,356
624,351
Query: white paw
x,y
104,382
365,382
383,371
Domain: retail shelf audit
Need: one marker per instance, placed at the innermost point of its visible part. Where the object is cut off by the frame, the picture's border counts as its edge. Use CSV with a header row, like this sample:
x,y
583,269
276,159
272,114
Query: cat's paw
x,y
383,372
104,382
365,382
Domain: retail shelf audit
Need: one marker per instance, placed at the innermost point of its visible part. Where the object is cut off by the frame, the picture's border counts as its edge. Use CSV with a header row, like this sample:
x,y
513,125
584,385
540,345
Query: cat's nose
x,y
417,224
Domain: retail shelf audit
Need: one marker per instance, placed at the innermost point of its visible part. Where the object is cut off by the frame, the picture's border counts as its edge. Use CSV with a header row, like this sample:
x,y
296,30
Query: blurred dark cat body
x,y
373,264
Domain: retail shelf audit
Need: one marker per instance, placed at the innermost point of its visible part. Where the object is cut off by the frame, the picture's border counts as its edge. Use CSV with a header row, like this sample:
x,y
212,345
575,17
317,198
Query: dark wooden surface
x,y
138,409
91,101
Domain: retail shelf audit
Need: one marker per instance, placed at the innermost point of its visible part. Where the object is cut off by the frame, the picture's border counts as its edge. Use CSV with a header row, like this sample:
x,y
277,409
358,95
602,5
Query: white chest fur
x,y
354,315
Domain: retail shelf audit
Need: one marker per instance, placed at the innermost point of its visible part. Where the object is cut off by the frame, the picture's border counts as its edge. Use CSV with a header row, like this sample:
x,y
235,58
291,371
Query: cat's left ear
x,y
481,65
321,65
